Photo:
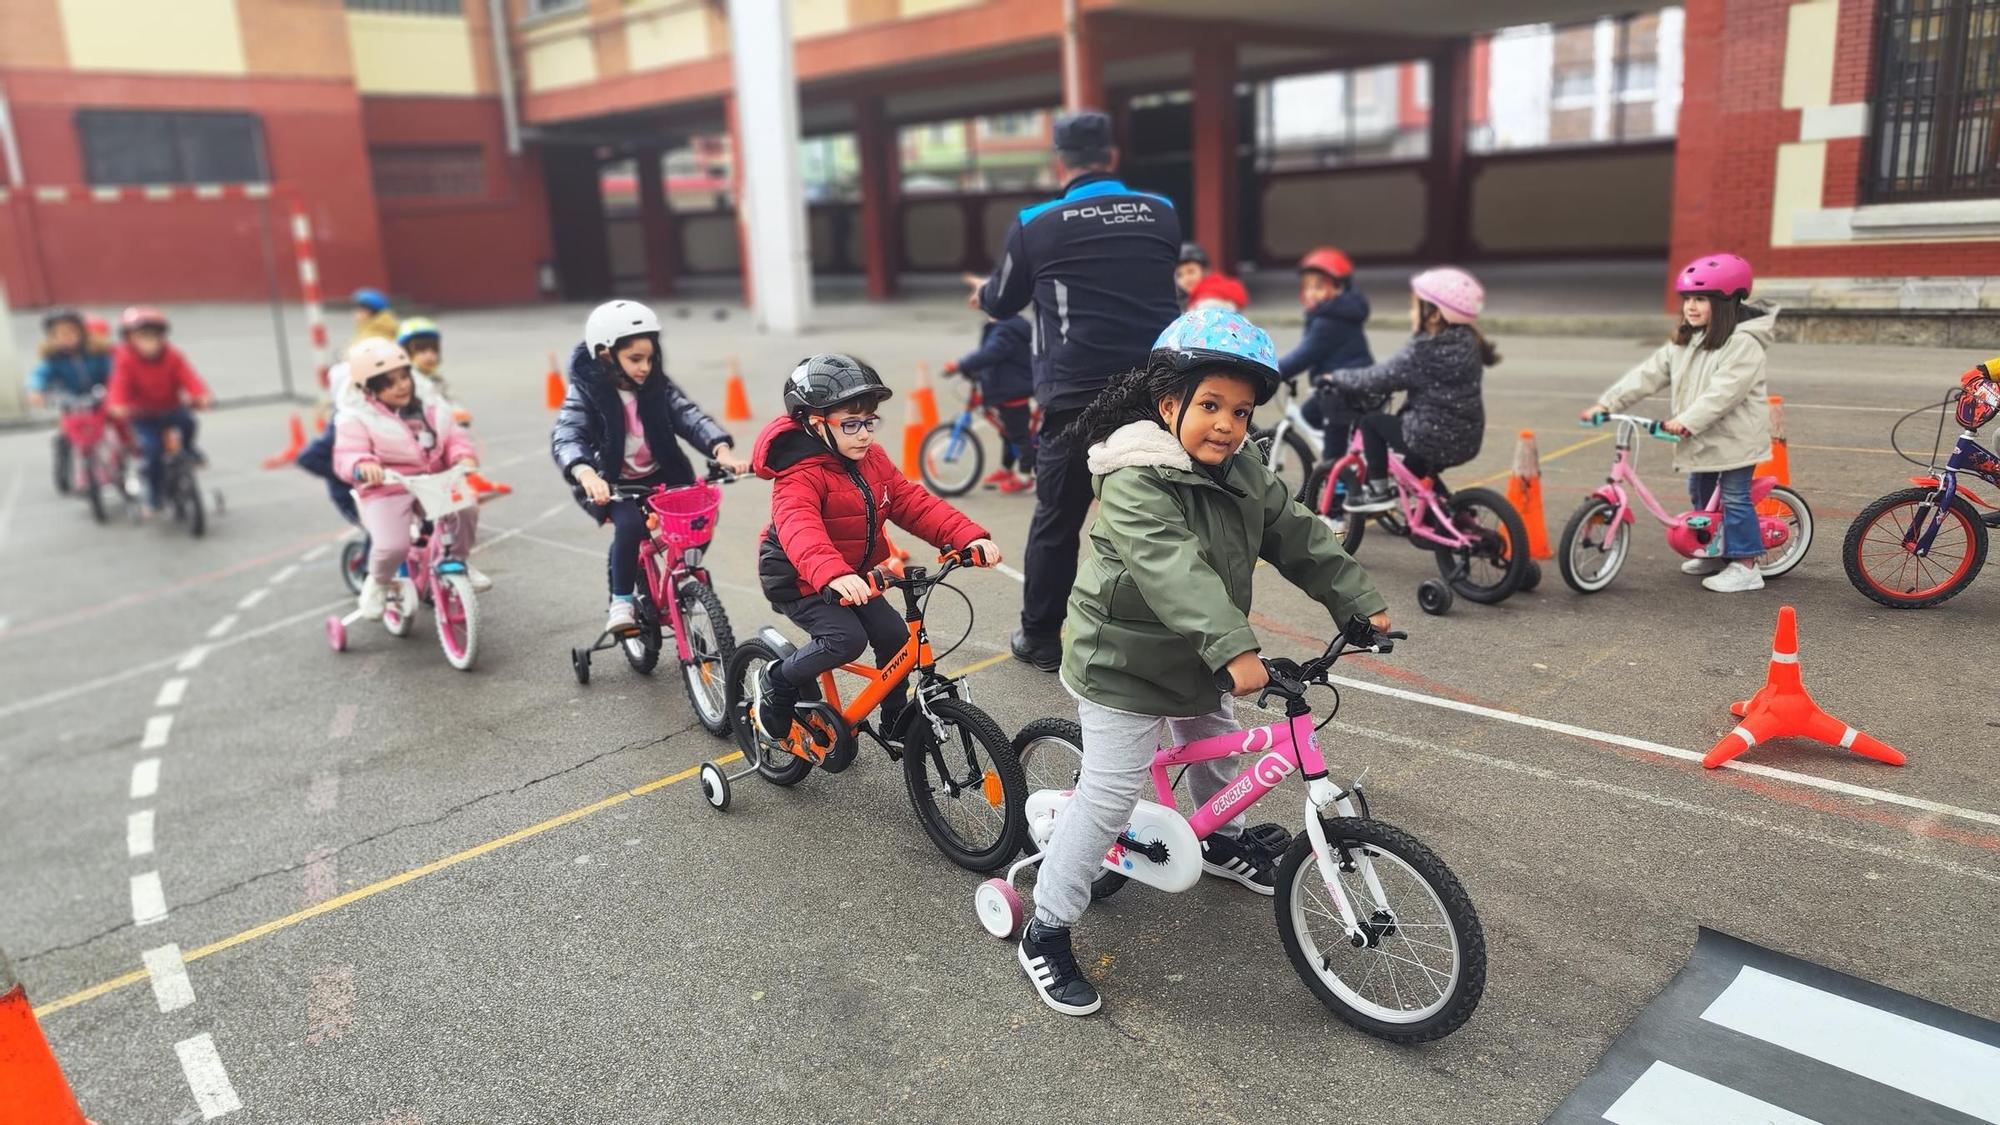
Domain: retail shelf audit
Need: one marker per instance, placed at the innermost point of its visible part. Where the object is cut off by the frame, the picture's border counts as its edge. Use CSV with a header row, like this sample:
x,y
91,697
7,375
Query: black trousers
x,y
1335,414
1379,434
1062,501
839,635
1019,446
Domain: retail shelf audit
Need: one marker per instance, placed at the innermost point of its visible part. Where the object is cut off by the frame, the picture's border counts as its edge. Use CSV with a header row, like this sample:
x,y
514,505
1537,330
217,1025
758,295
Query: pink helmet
x,y
373,356
1457,294
1722,274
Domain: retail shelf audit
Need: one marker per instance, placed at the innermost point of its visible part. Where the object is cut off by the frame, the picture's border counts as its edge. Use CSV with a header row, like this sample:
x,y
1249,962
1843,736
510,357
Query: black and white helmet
x,y
827,380
615,320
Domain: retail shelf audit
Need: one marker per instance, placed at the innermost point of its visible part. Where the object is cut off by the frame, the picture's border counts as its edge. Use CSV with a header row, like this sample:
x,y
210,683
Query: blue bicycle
x,y
1920,546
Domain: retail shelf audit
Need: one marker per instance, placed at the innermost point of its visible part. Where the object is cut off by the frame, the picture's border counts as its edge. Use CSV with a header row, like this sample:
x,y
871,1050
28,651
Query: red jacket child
x,y
159,385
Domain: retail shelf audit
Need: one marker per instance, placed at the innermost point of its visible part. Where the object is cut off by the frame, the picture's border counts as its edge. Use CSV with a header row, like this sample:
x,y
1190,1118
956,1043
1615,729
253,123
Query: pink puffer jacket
x,y
369,431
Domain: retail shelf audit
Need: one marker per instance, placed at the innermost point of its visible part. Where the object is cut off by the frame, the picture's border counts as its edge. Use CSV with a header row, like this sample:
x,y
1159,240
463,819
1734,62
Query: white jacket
x,y
1718,395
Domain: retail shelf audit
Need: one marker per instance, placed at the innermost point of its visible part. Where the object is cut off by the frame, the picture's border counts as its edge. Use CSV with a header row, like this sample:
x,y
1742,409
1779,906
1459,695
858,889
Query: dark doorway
x,y
1159,157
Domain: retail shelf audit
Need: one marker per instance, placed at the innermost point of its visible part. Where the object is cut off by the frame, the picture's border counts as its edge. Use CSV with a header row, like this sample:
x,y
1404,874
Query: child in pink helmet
x,y
1713,370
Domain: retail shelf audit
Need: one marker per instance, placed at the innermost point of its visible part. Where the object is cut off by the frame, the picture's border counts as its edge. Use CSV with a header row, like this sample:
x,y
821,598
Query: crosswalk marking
x,y
1668,1095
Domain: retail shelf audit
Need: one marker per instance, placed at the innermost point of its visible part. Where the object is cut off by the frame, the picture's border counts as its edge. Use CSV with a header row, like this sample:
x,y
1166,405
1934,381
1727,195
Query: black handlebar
x,y
1290,678
880,581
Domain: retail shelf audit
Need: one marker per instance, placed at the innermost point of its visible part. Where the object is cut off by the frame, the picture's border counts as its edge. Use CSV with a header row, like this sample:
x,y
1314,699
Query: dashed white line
x,y
157,729
316,552
205,1077
171,692
251,599
149,899
145,778
139,833
193,659
171,986
221,627
284,573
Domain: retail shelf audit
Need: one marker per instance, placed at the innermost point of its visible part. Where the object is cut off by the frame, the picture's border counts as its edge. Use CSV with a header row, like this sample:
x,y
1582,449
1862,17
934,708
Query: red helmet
x,y
1328,261
141,316
1725,275
97,326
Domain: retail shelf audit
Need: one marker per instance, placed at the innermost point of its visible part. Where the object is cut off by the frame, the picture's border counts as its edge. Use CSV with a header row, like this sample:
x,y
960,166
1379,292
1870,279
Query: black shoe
x,y
1375,496
1227,857
1990,519
1046,657
775,704
1046,957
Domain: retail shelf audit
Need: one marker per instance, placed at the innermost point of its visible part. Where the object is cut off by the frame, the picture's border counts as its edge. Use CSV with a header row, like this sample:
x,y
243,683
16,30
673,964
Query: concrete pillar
x,y
1217,220
1604,96
1450,190
772,207
881,184
656,224
736,200
11,372
1083,71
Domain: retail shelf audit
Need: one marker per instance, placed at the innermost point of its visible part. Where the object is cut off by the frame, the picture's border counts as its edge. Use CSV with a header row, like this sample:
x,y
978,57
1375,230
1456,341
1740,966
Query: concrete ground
x,y
407,894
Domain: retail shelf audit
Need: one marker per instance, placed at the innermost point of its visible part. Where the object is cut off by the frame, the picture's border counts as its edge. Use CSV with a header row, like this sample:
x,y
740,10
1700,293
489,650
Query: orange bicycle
x,y
964,781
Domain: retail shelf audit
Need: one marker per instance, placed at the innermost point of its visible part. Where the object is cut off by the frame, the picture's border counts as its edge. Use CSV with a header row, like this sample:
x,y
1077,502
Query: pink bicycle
x,y
1476,535
1375,924
433,574
680,523
1598,539
91,455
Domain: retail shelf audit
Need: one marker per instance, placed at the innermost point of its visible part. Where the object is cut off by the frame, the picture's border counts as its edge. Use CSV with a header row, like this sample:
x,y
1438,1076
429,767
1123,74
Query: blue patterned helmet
x,y
1220,338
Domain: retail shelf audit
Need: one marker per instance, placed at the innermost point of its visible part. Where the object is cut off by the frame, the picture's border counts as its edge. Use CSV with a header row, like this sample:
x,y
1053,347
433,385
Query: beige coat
x,y
1718,395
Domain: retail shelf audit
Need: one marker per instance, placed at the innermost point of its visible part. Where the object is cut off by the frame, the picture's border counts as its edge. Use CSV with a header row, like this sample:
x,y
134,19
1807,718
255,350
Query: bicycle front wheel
x,y
1417,967
950,459
1594,546
1882,568
456,608
710,643
1291,460
966,785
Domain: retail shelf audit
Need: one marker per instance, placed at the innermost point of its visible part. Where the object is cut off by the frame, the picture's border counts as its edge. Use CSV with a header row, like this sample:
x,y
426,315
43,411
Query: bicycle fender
x,y
1976,500
1610,496
770,636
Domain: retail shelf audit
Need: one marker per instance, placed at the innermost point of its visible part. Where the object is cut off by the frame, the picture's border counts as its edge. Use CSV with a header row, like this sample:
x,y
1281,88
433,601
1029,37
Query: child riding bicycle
x,y
834,494
1001,364
152,388
1163,603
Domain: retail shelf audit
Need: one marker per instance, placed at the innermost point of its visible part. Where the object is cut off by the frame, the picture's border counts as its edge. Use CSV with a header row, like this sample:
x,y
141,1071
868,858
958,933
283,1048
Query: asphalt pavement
x,y
246,876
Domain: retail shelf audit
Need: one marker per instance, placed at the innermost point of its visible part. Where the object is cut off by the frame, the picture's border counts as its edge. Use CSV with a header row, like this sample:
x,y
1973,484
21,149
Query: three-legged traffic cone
x,y
552,386
1524,491
1780,464
924,399
1782,708
291,450
30,1078
736,404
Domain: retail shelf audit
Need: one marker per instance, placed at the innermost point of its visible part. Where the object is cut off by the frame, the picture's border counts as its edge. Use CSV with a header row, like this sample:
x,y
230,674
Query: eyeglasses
x,y
852,426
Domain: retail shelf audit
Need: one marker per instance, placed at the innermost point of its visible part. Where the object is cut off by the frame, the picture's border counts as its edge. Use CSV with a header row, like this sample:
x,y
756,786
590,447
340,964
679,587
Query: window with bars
x,y
123,146
408,7
1937,101
440,172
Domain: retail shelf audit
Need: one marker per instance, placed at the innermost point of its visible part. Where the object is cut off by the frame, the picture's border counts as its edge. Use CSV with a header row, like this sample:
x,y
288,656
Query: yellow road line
x,y
1572,447
376,888
981,665
1843,448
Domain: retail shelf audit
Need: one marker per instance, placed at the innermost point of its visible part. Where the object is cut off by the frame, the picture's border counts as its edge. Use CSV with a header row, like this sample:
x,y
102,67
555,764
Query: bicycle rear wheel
x,y
1790,507
950,460
187,501
745,680
1497,560
1051,756
966,785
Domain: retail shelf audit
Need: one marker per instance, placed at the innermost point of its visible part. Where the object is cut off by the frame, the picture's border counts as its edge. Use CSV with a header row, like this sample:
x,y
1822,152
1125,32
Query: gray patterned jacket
x,y
1444,415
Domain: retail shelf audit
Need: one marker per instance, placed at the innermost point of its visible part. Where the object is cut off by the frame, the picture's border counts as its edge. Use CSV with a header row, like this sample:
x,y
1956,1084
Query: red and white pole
x,y
302,248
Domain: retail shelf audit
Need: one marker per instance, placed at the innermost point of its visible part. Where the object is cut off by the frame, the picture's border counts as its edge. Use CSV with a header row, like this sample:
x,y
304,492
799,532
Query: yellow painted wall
x,y
407,54
1810,31
171,36
1801,175
1583,202
559,53
926,7
662,34
818,17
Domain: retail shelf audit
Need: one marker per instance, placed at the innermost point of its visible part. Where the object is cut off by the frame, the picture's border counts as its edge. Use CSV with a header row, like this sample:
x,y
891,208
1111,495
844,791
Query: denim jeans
x,y
150,431
1742,536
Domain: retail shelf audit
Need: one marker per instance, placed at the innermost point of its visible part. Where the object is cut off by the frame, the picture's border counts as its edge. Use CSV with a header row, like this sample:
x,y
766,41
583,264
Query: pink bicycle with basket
x,y
680,522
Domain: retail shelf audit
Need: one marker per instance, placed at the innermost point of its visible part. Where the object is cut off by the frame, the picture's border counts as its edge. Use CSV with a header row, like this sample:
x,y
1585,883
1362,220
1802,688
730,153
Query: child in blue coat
x,y
1006,382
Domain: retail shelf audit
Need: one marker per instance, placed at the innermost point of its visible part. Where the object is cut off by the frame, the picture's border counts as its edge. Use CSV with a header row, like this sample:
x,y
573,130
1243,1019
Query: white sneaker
x,y
1704,565
1735,578
623,618
374,599
480,583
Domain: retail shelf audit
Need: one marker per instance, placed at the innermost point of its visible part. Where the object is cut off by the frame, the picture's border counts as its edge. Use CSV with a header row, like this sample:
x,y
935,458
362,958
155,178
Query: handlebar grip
x,y
1597,419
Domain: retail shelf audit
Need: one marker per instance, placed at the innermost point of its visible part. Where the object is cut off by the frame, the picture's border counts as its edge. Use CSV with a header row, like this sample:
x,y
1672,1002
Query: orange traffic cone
x,y
913,441
1780,464
736,406
486,488
298,442
34,1083
1782,708
553,388
924,399
898,559
1524,491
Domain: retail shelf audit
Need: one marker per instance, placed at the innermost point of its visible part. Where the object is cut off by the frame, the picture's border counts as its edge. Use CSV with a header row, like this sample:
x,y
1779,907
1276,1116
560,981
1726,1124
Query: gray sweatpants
x,y
1118,749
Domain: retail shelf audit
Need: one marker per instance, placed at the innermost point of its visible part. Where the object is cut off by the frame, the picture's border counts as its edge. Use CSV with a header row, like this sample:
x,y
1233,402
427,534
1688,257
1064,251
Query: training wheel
x,y
1433,597
336,633
715,786
579,662
999,907
1531,577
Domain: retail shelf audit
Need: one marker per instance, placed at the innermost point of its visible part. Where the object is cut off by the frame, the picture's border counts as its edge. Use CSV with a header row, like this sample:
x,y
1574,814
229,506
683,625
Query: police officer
x,y
1098,263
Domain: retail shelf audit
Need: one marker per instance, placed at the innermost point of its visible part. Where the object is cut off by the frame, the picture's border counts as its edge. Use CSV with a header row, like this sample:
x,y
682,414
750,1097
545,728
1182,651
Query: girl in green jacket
x,y
1162,602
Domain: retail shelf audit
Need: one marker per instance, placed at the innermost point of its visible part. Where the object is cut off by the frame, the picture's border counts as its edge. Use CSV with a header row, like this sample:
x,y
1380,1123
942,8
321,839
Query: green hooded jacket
x,y
1162,599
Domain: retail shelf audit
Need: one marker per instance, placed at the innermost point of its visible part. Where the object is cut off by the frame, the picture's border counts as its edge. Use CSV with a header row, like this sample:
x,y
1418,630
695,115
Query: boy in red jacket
x,y
152,386
834,492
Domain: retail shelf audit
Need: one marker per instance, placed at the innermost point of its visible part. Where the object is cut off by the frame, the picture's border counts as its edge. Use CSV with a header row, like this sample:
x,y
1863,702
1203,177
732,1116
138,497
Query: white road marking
x,y
157,729
205,1077
193,659
139,833
330,1004
251,599
1916,1058
145,778
8,505
171,692
1011,573
284,573
1668,1095
171,987
221,627
317,552
149,899
1976,815
322,876
343,722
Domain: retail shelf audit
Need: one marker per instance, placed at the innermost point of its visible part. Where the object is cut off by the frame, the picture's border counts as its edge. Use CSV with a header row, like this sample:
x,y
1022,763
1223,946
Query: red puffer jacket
x,y
827,512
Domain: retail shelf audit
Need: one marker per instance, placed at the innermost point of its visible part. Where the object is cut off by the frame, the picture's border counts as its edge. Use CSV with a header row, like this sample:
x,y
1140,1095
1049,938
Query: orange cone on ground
x,y
1780,464
33,1082
1524,491
924,399
553,388
736,408
1782,708
297,442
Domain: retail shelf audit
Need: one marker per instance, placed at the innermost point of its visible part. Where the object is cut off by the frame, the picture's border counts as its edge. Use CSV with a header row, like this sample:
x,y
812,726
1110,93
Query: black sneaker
x,y
1046,957
1047,657
775,704
1375,496
1227,857
1990,519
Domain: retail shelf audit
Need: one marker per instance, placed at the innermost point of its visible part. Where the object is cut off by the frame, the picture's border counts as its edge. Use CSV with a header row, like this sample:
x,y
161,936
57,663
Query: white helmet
x,y
615,320
371,357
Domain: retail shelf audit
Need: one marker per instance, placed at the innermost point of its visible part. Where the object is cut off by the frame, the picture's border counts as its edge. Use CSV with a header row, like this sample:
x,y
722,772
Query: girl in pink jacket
x,y
388,421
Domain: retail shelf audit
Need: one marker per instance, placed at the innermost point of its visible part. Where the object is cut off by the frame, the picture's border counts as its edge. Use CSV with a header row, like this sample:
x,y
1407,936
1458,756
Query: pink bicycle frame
x,y
1421,510
1284,747
661,580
